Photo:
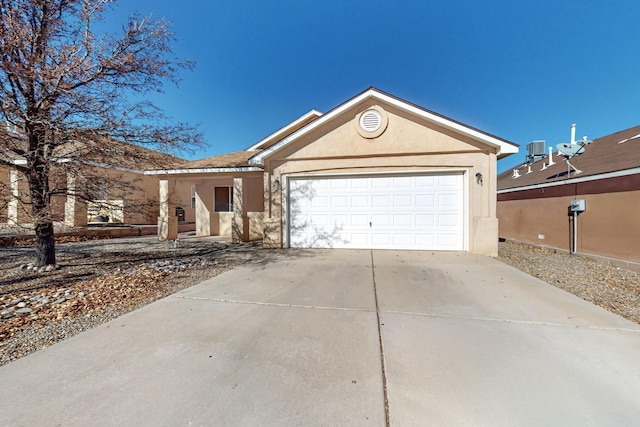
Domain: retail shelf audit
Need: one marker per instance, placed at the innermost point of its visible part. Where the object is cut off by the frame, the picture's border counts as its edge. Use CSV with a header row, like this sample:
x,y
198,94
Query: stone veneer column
x,y
238,223
75,208
13,207
272,223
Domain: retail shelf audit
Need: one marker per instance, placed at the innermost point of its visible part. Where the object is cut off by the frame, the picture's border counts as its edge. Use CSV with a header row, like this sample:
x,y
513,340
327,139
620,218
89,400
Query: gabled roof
x,y
286,131
504,147
612,155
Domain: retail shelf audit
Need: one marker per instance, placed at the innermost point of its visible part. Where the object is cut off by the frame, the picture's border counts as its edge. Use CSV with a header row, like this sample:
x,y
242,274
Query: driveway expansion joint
x,y
273,304
383,366
522,322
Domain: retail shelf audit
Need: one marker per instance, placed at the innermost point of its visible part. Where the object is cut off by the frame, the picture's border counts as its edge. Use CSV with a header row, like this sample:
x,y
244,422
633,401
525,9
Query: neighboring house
x,y
118,191
534,200
374,172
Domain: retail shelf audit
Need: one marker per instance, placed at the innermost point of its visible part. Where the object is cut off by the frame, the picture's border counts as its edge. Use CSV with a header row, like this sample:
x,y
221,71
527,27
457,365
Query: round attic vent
x,y
370,121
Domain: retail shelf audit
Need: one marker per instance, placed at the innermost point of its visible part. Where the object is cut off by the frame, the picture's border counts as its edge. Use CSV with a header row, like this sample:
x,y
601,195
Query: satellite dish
x,y
571,150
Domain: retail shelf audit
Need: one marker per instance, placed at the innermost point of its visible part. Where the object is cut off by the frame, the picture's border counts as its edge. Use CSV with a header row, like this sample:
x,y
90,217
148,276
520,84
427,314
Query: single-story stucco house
x,y
535,199
106,178
374,172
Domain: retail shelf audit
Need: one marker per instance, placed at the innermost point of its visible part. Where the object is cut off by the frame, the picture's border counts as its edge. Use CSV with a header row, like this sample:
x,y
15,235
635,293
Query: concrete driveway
x,y
343,338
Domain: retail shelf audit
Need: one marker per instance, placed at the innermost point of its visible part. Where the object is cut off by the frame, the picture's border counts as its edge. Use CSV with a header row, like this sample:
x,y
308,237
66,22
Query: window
x,y
223,199
193,197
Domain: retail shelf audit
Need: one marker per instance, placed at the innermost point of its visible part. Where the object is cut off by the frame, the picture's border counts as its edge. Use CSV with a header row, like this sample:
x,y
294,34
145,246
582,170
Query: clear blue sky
x,y
521,70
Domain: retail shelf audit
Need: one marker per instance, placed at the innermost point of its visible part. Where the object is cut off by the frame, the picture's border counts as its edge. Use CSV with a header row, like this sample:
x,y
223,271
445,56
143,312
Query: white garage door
x,y
379,212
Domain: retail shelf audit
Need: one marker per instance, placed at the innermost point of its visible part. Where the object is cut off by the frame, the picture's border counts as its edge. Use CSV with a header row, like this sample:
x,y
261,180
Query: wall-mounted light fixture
x,y
276,184
479,178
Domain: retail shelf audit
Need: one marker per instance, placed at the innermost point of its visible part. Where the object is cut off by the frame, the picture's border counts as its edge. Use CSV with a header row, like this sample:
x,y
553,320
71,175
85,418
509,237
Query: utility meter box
x,y
578,206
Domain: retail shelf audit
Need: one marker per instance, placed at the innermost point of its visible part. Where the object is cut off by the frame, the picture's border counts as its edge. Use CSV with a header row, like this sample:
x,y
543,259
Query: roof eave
x,y
286,130
242,169
503,147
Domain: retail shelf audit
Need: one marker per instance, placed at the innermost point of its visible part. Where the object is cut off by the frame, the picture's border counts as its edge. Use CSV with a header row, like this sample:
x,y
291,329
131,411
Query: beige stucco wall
x,y
408,145
609,227
252,200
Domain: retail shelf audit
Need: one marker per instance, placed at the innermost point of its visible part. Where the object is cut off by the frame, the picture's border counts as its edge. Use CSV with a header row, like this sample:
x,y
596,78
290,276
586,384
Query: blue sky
x,y
521,70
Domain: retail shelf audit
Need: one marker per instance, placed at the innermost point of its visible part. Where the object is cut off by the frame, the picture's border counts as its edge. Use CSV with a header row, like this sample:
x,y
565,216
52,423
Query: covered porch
x,y
228,201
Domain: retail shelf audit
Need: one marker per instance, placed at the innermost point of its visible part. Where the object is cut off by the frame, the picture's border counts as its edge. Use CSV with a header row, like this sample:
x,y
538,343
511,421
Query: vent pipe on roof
x,y
573,133
551,162
516,174
529,169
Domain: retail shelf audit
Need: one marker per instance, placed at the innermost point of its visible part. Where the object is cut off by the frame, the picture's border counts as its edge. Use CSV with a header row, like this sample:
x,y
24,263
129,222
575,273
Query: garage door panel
x,y
381,220
381,183
425,201
448,221
338,202
379,201
448,180
403,201
425,240
403,241
423,220
448,241
360,220
321,220
403,220
318,202
380,239
403,182
354,238
360,201
402,212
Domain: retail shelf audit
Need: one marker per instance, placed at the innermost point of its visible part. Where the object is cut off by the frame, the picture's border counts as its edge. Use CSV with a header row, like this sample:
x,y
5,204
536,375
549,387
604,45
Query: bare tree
x,y
67,92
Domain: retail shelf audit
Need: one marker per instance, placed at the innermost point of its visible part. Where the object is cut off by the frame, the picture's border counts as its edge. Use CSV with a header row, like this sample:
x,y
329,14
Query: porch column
x,y
75,209
273,211
240,222
13,207
167,219
207,221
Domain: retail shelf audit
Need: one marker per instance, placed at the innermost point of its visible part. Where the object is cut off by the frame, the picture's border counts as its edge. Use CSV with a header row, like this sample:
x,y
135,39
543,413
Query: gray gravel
x,y
193,261
612,288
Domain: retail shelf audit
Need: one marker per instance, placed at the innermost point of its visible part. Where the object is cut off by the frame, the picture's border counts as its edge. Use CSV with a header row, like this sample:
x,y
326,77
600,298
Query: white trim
x,y
502,146
153,172
203,170
615,174
466,232
466,220
285,130
286,232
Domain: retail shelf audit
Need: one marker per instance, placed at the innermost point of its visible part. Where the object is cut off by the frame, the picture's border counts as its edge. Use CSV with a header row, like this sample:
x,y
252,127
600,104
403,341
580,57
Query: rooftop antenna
x,y
573,149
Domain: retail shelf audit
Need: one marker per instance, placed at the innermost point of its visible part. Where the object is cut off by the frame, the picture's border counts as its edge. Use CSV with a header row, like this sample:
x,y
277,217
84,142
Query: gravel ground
x,y
612,288
100,280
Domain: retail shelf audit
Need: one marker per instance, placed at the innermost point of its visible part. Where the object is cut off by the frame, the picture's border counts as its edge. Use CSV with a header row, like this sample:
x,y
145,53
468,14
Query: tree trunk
x,y
45,247
38,178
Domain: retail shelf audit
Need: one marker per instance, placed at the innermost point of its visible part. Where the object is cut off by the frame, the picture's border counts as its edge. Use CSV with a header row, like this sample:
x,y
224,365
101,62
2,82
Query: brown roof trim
x,y
617,184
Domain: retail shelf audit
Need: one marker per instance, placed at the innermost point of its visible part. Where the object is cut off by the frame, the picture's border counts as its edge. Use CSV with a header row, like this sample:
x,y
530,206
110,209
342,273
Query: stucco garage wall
x,y
406,146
